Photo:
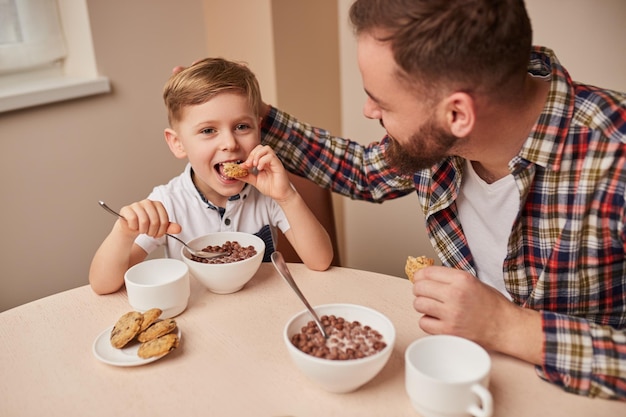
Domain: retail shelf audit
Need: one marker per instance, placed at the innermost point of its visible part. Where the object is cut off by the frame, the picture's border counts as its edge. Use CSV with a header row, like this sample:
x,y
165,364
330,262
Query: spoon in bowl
x,y
194,252
279,263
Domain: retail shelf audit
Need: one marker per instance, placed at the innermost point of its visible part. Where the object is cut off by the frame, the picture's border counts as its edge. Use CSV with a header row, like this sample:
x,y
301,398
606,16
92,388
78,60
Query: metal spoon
x,y
281,267
198,253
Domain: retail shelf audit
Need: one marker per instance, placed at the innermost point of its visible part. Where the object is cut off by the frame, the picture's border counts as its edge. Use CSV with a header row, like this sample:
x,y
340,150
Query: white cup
x,y
447,376
158,283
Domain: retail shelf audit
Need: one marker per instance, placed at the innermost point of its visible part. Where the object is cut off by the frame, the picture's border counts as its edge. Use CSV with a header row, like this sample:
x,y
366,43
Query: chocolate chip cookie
x,y
126,328
415,264
159,346
149,317
233,170
156,330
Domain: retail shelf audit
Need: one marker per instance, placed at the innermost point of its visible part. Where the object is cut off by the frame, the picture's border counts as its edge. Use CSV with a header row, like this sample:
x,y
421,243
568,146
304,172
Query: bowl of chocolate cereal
x,y
229,273
360,342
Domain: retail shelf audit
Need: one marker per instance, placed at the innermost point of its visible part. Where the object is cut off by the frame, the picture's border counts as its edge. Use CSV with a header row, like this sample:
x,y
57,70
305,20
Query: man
x,y
520,172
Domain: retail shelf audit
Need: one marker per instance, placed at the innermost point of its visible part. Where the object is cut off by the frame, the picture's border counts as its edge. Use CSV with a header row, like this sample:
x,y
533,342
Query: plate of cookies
x,y
137,339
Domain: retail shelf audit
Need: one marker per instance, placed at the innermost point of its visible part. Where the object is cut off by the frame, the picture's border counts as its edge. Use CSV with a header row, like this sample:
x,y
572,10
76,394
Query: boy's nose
x,y
229,141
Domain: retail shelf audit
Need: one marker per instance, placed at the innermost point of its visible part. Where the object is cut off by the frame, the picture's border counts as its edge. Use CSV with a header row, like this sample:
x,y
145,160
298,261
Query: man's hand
x,y
177,69
457,303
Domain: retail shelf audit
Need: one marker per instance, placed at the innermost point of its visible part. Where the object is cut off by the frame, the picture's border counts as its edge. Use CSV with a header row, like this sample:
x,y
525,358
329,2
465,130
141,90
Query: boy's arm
x,y
118,251
116,254
306,234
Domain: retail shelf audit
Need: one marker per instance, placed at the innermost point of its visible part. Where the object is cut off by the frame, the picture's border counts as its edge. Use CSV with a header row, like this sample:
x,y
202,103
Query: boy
x,y
213,116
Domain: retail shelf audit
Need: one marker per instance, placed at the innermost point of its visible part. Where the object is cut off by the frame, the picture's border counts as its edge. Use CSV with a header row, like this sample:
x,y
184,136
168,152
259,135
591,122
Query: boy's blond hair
x,y
205,79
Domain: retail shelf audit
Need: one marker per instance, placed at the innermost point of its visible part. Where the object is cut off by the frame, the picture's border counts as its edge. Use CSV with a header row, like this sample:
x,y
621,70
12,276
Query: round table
x,y
232,360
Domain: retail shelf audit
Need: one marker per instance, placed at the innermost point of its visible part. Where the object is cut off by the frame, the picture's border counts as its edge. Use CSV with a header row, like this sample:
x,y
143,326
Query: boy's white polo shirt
x,y
249,211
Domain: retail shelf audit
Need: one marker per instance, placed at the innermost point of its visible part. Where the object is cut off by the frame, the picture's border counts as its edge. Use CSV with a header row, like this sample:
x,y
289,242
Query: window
x,y
30,34
46,53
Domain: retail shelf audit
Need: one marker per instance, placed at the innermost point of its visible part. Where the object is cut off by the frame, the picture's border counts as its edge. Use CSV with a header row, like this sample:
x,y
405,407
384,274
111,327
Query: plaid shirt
x,y
566,252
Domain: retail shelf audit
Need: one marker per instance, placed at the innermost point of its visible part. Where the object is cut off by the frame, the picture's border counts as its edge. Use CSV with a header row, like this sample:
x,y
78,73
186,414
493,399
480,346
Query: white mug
x,y
448,376
158,283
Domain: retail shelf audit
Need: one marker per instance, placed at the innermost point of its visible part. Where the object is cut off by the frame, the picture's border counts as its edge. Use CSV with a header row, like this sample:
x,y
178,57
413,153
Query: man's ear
x,y
460,113
174,143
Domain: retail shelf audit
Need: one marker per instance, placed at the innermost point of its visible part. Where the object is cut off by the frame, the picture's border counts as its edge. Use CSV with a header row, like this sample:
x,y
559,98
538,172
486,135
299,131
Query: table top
x,y
232,360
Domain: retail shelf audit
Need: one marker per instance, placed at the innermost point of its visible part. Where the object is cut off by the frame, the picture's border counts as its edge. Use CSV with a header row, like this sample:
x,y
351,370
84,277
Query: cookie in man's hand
x,y
415,264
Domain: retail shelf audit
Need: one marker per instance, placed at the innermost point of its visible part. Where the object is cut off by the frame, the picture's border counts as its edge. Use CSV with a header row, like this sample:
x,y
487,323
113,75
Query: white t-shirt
x,y
487,212
249,211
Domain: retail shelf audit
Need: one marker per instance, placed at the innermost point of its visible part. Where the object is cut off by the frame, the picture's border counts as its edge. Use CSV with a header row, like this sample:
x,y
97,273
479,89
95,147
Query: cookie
x,y
415,264
156,330
149,317
126,328
158,347
233,170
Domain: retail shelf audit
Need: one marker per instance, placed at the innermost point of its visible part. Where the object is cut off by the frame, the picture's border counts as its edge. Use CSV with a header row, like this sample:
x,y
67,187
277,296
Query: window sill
x,y
19,92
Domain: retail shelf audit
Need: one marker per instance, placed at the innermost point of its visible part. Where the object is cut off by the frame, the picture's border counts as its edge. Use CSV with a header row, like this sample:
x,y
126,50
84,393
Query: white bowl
x,y
229,277
158,283
341,376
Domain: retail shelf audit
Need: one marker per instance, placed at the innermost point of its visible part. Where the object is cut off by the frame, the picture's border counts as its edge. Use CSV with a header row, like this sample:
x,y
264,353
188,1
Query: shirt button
x,y
227,222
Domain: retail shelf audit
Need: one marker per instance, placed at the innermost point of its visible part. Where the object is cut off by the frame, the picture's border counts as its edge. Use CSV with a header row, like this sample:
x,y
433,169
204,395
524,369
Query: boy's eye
x,y
207,131
242,126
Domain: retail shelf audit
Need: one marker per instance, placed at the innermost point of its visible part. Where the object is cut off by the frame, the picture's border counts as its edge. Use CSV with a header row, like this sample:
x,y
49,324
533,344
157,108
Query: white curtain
x,y
31,35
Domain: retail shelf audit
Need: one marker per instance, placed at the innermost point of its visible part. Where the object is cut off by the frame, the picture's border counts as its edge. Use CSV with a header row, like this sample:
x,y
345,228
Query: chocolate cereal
x,y
235,252
346,339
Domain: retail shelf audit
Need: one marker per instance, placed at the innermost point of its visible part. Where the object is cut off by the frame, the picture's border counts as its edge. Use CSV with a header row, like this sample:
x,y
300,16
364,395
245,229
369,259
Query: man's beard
x,y
428,146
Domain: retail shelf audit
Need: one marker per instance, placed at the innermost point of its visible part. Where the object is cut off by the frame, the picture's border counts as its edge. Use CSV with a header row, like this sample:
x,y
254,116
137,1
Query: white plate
x,y
126,356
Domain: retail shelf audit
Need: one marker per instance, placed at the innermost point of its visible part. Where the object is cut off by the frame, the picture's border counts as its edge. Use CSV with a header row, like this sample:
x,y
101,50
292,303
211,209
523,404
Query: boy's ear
x,y
460,114
174,143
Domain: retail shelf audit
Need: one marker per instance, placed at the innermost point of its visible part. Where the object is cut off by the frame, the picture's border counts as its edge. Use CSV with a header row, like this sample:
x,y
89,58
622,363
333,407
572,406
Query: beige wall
x,y
242,30
378,237
58,160
587,36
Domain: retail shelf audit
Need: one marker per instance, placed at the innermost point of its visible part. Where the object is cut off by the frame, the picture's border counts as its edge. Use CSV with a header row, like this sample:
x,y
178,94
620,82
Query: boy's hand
x,y
147,217
271,178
